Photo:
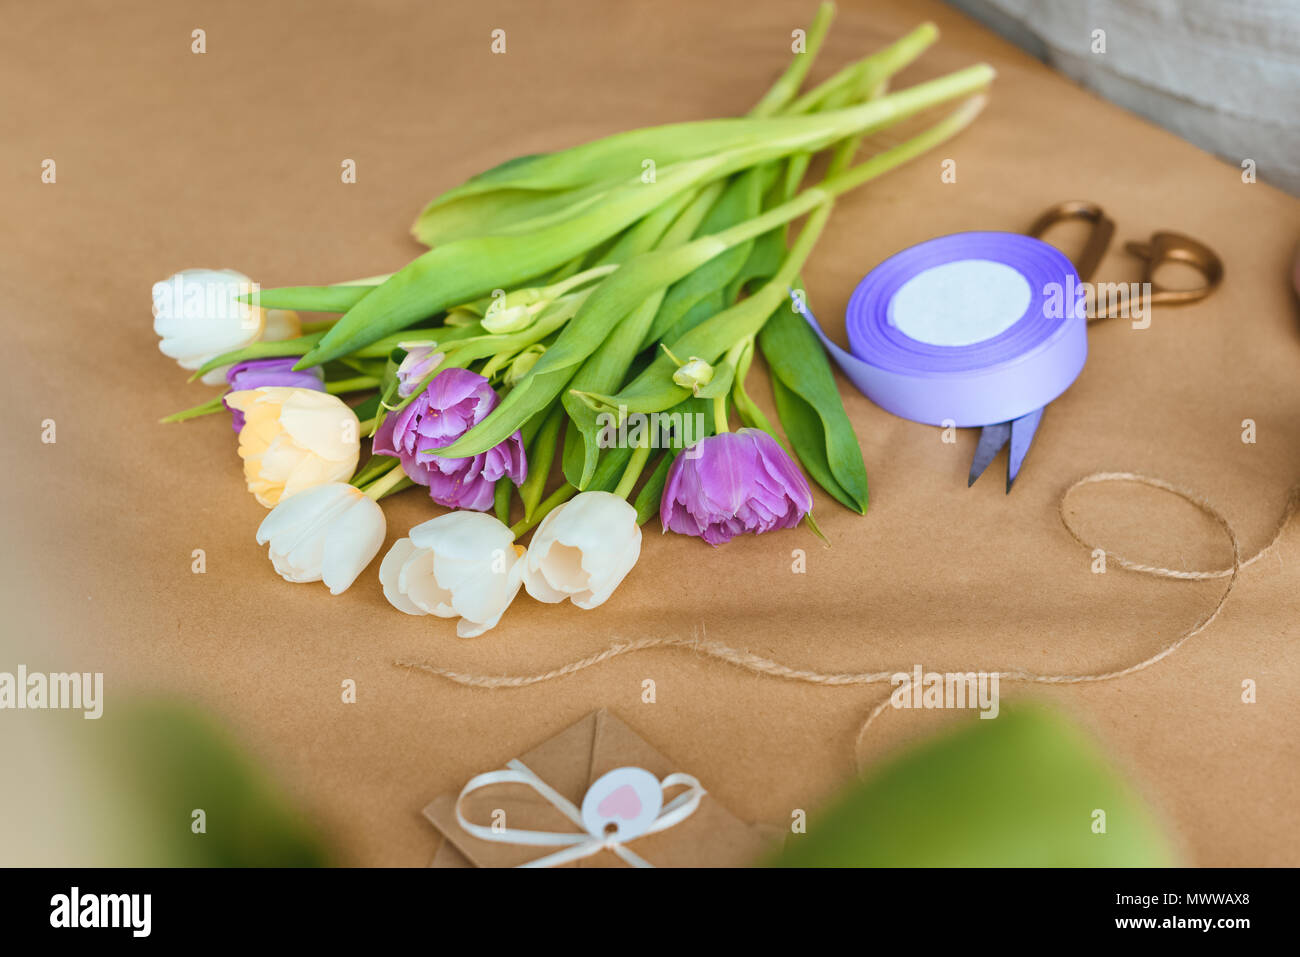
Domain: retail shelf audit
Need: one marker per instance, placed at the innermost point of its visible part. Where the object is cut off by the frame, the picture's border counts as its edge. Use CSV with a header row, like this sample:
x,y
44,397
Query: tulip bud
x,y
420,360
523,363
514,311
693,373
461,317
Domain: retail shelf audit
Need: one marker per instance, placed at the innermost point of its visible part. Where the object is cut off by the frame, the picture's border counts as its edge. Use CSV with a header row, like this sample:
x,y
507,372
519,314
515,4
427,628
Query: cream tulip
x,y
198,316
583,549
326,533
294,439
460,565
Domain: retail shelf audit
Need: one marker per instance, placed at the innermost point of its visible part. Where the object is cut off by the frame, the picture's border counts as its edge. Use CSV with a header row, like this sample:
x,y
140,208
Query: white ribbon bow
x,y
585,843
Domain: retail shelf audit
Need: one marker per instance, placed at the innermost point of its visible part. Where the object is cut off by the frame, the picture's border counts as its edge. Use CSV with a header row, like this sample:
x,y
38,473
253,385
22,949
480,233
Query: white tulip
x,y
583,549
460,565
197,316
326,533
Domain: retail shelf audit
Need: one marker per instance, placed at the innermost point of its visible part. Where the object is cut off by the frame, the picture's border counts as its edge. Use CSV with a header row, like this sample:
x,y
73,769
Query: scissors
x,y
1162,248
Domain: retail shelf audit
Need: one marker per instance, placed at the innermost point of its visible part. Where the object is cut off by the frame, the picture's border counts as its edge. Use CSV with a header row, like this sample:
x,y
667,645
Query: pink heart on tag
x,y
621,802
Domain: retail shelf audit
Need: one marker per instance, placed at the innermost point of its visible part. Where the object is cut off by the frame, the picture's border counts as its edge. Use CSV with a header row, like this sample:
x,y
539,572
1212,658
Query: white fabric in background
x,y
1223,74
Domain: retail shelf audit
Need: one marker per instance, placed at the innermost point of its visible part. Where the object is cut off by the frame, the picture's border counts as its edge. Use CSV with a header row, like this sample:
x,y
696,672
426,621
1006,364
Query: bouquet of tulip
x,y
600,306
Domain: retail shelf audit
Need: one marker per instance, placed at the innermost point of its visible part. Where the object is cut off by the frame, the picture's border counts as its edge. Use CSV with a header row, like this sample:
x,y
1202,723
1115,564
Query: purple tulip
x,y
454,402
732,483
419,362
252,373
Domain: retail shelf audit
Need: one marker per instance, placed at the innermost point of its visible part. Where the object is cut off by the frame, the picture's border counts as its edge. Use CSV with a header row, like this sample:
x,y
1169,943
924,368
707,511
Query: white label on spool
x,y
960,303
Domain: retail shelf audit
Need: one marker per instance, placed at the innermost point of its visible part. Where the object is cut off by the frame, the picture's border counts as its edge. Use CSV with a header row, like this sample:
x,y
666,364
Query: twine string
x,y
757,664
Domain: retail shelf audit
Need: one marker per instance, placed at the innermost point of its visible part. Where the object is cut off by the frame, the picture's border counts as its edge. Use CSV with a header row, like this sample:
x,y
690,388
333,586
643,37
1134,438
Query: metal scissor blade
x,y
1022,434
992,438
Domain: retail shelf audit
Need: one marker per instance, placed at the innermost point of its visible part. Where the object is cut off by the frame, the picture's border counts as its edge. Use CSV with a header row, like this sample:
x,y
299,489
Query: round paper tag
x,y
622,804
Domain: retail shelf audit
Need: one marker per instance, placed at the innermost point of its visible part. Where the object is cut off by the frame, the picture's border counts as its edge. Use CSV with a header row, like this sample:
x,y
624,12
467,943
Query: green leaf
x,y
313,298
260,350
1020,790
654,389
608,366
620,156
505,209
611,465
724,374
808,439
740,201
811,409
613,299
603,370
652,492
648,499
463,270
368,408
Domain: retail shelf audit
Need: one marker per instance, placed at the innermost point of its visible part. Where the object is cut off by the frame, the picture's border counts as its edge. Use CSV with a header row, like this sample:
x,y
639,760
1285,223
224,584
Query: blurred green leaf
x,y
1019,790
170,759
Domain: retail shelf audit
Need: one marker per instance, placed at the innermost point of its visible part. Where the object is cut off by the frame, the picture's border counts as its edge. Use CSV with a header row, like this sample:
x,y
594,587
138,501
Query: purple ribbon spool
x,y
1031,361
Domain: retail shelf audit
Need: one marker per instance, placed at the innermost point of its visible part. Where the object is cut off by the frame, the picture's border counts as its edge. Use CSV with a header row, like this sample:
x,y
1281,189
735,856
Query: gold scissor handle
x,y
1165,247
1099,237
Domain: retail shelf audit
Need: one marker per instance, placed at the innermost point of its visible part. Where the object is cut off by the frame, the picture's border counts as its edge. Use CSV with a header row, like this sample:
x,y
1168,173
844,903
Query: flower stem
x,y
392,481
355,384
581,279
720,414
853,177
203,408
549,504
366,281
640,455
787,87
540,457
322,325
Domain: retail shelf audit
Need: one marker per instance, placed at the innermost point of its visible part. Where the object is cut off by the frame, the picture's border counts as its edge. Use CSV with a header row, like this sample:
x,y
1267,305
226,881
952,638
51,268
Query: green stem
x,y
748,410
203,408
581,279
394,480
788,85
640,455
355,384
720,414
869,70
851,178
501,499
553,501
540,458
321,325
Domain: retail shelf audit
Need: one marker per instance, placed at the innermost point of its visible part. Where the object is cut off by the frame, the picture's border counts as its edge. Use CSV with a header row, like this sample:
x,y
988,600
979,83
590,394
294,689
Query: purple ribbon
x,y
1026,365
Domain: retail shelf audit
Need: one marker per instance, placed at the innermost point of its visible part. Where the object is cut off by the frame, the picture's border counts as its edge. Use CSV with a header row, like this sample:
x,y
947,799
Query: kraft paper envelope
x,y
570,762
